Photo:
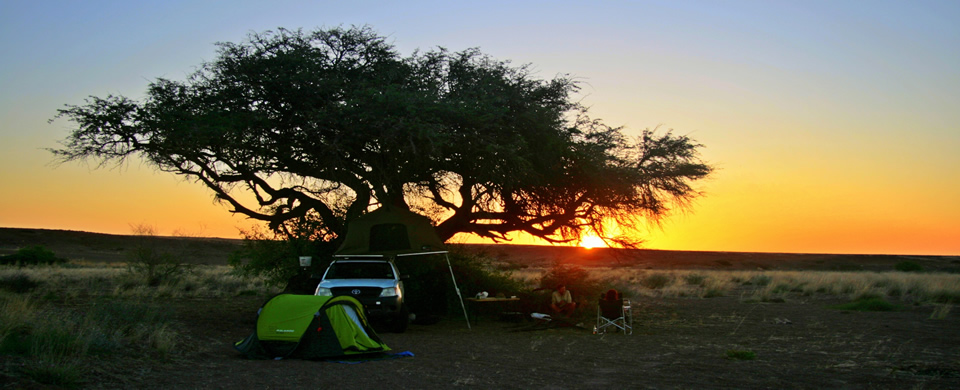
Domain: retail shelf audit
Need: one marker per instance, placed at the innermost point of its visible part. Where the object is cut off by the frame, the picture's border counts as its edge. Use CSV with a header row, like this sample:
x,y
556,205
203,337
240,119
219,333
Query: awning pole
x,y
462,306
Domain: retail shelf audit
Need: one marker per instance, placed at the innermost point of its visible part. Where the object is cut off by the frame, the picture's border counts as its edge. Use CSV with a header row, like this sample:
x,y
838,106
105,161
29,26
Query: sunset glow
x,y
591,242
833,125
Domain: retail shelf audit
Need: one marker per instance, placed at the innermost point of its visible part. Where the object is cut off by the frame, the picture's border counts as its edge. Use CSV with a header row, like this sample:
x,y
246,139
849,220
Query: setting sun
x,y
591,242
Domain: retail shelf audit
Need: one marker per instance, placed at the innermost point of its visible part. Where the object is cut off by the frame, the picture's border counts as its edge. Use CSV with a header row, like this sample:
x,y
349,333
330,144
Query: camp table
x,y
499,306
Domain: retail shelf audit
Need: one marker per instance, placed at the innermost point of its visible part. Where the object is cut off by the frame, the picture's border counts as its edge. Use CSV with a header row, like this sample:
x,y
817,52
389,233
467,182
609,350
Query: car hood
x,y
334,283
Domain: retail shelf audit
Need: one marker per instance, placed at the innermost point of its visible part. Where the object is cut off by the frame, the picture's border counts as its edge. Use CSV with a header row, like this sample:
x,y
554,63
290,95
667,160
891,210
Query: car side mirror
x,y
404,277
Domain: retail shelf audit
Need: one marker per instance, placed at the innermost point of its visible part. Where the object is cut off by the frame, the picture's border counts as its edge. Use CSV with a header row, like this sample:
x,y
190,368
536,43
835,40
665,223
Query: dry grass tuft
x,y
774,286
940,311
48,321
67,284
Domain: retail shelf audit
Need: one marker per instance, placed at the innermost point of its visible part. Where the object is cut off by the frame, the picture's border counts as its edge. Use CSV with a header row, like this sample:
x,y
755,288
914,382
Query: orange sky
x,y
834,126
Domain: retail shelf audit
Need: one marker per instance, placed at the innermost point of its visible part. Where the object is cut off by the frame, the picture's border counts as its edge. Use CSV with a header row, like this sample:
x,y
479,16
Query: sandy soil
x,y
677,343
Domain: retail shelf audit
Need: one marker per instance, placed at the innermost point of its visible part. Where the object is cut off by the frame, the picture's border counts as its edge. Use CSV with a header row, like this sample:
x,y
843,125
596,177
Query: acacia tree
x,y
293,126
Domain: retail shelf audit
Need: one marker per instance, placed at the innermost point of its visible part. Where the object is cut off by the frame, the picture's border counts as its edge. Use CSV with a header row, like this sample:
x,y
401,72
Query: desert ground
x,y
677,343
795,341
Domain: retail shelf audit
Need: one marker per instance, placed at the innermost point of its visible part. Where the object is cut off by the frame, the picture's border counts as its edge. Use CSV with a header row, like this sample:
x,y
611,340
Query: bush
x,y
868,304
759,280
655,281
277,258
695,279
908,266
429,288
154,266
741,355
32,255
583,289
153,259
575,278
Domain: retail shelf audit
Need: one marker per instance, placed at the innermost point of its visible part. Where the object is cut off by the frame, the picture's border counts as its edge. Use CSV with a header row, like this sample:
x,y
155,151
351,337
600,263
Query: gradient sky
x,y
835,125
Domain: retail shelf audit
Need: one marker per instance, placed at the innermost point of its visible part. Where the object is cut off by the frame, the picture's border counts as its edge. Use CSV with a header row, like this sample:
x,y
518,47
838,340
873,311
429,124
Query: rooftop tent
x,y
390,231
311,327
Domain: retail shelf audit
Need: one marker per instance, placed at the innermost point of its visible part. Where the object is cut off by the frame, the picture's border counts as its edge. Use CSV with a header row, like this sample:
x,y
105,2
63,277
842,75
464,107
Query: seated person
x,y
562,303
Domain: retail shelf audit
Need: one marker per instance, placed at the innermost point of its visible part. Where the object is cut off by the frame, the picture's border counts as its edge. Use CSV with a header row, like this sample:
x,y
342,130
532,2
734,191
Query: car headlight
x,y
390,292
323,292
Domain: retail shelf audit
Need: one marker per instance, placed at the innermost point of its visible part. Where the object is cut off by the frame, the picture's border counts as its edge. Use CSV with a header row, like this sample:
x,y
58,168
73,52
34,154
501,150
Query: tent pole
x,y
447,256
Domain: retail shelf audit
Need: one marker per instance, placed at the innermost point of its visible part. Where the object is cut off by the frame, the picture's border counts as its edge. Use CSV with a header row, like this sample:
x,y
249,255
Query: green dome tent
x,y
311,327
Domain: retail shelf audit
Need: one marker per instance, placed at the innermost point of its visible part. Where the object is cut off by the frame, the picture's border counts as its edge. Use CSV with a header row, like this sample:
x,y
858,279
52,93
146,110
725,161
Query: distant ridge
x,y
111,248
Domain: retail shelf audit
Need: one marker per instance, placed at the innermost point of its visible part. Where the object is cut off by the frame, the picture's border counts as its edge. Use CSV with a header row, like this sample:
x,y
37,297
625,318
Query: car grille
x,y
364,292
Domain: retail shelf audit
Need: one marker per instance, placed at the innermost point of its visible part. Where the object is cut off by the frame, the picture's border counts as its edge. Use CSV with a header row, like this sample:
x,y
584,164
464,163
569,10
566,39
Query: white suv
x,y
374,282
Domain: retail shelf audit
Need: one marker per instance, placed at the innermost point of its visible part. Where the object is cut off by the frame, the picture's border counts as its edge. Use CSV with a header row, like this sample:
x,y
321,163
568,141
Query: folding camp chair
x,y
614,312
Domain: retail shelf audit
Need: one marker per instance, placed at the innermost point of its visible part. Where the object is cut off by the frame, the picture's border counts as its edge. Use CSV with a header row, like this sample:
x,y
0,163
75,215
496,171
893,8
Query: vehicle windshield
x,y
360,270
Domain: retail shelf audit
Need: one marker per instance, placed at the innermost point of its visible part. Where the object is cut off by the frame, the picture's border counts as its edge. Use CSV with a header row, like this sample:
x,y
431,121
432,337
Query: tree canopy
x,y
292,126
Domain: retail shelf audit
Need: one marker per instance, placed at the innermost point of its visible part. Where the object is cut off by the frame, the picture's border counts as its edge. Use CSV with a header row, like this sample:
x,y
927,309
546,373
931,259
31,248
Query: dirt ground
x,y
677,343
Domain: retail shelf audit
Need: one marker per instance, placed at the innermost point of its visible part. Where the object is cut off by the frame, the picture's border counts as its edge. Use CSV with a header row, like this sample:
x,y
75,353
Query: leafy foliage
x,y
294,126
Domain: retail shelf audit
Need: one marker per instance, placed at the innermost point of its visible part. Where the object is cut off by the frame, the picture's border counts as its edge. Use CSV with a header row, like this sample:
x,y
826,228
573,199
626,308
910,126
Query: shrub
x,y
655,281
478,273
759,280
868,304
781,288
429,287
695,279
32,255
712,292
908,266
154,266
575,278
277,258
154,260
741,355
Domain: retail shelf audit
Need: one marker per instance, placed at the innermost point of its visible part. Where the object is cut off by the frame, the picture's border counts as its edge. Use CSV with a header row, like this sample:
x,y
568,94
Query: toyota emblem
x,y
355,291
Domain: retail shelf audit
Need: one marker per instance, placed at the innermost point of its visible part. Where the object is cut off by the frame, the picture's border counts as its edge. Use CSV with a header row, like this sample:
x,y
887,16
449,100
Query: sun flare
x,y
591,242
